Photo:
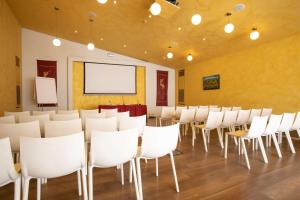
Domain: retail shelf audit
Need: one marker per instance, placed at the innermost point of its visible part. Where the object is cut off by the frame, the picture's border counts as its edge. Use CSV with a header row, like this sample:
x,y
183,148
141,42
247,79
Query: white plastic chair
x,y
138,123
236,108
110,112
214,121
49,158
62,128
229,121
100,124
214,109
64,117
193,107
201,115
17,114
242,119
187,118
41,118
158,142
257,129
121,115
270,133
226,109
44,112
296,124
178,111
253,113
204,107
266,112
83,112
213,106
109,149
67,112
8,173
285,127
8,120
167,114
84,116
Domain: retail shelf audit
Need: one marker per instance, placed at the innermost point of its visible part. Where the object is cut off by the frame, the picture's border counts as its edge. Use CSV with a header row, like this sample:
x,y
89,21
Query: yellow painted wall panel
x,y
81,101
264,76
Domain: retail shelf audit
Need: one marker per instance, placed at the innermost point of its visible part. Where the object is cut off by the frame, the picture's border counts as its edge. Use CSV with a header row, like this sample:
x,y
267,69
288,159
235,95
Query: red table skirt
x,y
134,109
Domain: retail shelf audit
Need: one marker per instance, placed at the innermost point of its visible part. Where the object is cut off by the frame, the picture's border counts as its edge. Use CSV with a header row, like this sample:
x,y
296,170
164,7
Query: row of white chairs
x,y
49,158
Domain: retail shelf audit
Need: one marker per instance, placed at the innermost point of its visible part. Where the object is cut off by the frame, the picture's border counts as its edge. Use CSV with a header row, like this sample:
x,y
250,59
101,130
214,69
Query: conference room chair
x,y
100,124
8,173
253,113
178,111
44,112
236,108
270,132
203,107
213,106
228,122
201,115
110,112
153,111
84,116
89,111
121,115
186,119
156,143
242,119
17,114
15,131
257,129
226,109
193,107
66,111
49,158
285,127
167,114
296,124
266,112
7,120
41,118
214,121
214,109
109,149
64,117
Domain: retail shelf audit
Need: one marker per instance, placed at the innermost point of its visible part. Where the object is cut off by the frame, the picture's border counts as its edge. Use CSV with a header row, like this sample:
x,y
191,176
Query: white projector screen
x,y
104,78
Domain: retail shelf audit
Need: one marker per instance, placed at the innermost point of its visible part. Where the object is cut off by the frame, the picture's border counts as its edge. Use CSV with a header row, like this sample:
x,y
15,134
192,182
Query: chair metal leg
x,y
276,145
174,171
156,166
26,188
226,145
90,178
132,163
38,189
245,153
139,177
262,149
288,136
220,138
17,189
204,139
79,183
193,135
122,174
130,173
84,185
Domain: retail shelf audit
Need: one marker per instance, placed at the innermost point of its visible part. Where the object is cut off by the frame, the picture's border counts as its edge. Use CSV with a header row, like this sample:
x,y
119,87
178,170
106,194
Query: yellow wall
x,y
81,101
10,46
264,76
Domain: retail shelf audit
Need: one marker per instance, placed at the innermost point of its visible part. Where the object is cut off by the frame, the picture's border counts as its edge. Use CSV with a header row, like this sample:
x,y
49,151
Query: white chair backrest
x,y
229,118
214,109
62,128
38,112
287,122
213,106
52,157
257,127
167,112
138,123
159,141
83,112
64,117
7,172
121,115
193,107
84,116
236,108
253,113
67,111
15,131
187,116
203,107
154,111
273,124
201,114
226,109
214,120
41,118
100,124
109,149
296,124
266,112
110,112
7,120
17,114
179,110
243,117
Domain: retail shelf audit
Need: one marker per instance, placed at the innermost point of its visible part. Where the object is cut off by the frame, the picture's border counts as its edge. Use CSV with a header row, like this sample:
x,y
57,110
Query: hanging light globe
x,y
90,46
56,42
229,28
196,19
155,8
189,57
170,55
254,35
102,1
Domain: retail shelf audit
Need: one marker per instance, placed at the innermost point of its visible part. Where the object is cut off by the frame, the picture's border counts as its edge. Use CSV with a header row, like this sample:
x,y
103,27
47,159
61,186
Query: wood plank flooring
x,y
201,176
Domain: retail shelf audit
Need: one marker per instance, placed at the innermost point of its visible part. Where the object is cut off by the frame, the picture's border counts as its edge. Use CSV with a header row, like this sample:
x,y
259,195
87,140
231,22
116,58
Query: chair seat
x,y
239,133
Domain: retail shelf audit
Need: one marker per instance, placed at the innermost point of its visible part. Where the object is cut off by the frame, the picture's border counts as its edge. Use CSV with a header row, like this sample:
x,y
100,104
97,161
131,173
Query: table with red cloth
x,y
134,109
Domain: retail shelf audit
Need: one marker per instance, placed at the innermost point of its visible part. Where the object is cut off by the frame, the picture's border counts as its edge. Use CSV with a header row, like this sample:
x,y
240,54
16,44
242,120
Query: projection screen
x,y
104,78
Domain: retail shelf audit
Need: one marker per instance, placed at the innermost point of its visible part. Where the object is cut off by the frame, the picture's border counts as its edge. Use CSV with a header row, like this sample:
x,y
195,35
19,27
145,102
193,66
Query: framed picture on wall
x,y
211,82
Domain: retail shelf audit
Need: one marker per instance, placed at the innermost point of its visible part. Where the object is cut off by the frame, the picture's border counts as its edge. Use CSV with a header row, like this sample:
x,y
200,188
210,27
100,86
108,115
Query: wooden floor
x,y
201,176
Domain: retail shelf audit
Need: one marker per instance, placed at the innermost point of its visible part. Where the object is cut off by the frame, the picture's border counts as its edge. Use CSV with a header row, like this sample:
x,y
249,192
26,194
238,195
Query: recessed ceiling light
x,y
102,1
101,39
196,19
145,52
150,16
179,28
145,21
115,2
124,45
239,7
204,39
75,31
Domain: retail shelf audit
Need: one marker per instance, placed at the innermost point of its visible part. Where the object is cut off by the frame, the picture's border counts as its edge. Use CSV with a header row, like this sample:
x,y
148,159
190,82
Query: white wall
x,y
37,45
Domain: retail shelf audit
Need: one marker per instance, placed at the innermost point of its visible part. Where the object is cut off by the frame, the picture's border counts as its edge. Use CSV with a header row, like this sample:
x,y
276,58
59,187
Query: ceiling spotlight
x,y
124,45
102,1
115,2
196,19
189,57
229,28
101,39
90,46
254,35
170,55
56,42
145,52
204,39
179,28
155,8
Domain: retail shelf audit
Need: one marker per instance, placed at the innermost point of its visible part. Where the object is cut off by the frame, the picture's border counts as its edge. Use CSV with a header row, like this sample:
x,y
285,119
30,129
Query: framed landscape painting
x,y
211,82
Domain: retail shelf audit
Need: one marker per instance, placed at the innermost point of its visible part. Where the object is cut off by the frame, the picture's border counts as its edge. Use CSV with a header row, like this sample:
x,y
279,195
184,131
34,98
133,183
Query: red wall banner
x,y
46,68
162,88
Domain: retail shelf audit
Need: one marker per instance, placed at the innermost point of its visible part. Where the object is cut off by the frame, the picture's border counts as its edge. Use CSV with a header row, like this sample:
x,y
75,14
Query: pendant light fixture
x,y
155,8
91,45
102,1
196,19
254,35
189,57
229,27
170,53
56,41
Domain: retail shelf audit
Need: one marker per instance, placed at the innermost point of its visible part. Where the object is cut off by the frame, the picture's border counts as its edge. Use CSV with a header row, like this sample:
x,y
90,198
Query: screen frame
x,y
112,93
